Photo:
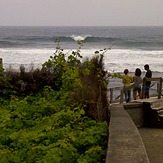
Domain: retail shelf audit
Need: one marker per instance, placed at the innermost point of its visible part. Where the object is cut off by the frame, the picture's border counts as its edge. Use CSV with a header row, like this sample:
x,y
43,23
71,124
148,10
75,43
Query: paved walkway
x,y
153,141
125,143
129,144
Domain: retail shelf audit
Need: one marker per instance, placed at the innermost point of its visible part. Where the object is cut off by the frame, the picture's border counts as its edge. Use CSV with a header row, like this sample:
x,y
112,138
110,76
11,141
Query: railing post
x,y
111,95
1,66
160,89
1,63
143,87
121,97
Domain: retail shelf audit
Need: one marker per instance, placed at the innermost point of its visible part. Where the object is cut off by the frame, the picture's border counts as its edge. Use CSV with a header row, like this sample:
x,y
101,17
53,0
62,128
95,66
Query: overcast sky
x,y
81,12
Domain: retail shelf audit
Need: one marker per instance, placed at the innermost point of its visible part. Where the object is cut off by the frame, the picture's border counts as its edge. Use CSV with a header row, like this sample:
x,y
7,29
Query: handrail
x,y
157,81
159,88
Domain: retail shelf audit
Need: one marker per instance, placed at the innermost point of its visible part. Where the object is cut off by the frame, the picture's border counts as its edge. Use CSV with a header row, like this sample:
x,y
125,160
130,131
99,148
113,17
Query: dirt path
x,y
153,141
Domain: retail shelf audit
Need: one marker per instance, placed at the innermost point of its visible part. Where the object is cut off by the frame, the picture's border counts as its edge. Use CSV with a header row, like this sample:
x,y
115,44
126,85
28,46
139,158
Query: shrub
x,y
56,114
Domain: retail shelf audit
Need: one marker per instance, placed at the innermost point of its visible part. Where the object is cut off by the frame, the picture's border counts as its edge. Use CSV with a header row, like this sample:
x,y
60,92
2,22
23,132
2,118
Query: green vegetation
x,y
56,114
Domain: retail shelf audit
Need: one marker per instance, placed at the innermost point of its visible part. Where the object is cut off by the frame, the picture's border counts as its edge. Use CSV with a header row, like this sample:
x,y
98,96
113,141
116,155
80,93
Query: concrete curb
x,y
125,144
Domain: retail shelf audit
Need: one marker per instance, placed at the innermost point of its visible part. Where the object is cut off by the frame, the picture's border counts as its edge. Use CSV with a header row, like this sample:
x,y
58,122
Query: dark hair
x,y
146,66
138,72
126,71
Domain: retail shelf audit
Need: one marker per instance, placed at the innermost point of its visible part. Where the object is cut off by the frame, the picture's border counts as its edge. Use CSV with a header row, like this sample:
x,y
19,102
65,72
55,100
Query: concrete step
x,y
160,112
157,108
156,102
161,118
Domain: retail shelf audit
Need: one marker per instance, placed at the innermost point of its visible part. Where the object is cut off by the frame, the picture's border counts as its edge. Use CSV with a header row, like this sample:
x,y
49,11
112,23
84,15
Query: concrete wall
x,y
135,110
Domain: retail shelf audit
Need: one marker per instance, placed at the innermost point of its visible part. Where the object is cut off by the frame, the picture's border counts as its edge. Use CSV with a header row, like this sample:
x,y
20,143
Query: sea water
x,y
128,47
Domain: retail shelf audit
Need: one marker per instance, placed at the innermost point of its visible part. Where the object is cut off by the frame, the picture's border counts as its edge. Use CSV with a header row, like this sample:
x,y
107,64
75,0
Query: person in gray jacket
x,y
137,80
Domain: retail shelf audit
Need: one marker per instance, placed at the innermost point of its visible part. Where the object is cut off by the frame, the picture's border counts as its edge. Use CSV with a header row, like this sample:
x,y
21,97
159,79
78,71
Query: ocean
x,y
131,47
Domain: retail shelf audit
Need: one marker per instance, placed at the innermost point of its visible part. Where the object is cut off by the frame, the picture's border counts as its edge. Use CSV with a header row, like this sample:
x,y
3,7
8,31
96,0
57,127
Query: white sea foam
x,y
79,38
115,60
16,57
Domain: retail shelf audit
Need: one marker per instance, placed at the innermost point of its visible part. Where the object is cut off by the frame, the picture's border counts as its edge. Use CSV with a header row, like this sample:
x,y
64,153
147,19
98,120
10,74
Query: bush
x,y
56,114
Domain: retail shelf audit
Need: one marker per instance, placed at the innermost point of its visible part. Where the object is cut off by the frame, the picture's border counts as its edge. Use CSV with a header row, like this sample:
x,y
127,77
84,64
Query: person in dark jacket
x,y
148,83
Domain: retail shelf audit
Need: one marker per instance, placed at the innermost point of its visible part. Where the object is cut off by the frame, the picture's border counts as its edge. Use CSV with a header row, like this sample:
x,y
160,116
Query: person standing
x,y
137,80
127,80
147,83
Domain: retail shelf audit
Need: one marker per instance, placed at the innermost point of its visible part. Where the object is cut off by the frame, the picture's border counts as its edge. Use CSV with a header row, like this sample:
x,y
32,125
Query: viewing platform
x,y
125,143
150,110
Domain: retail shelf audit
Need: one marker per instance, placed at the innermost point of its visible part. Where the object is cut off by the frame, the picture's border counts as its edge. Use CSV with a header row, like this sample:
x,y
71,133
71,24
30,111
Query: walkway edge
x,y
125,144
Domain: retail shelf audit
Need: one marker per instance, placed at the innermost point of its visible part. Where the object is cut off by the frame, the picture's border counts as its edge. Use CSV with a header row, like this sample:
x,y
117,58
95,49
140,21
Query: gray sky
x,y
81,12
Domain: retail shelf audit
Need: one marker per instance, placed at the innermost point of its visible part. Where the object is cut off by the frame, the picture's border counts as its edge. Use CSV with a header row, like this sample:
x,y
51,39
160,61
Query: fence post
x,y
111,95
1,63
1,67
143,87
160,89
121,97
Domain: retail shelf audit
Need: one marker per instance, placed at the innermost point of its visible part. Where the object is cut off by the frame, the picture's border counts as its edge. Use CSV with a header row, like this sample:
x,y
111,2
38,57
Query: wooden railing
x,y
120,98
159,85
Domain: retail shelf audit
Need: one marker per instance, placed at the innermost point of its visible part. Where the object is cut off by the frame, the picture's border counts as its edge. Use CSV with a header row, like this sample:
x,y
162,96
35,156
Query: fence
x,y
120,97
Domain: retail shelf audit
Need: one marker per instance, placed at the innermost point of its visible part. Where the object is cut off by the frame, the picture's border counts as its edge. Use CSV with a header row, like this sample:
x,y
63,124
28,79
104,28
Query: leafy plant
x,y
65,120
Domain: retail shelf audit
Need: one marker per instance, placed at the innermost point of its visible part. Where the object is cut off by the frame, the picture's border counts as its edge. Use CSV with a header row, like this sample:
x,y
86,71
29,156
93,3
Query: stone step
x,y
160,112
157,108
156,102
161,117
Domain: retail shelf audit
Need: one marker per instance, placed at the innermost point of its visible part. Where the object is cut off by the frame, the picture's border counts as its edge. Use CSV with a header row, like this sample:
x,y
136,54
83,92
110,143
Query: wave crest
x,y
79,38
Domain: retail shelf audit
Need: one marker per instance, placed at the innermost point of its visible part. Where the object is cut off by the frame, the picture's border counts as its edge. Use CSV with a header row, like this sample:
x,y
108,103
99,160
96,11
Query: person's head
x,y
126,71
146,67
138,72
